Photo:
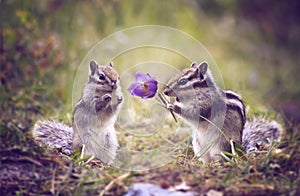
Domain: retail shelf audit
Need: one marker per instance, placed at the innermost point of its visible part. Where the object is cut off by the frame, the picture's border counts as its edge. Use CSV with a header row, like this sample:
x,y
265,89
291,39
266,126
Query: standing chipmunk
x,y
215,115
94,117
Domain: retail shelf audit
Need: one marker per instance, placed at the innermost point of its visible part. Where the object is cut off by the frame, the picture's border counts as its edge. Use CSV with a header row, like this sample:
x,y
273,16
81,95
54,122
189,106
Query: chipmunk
x,y
216,116
94,117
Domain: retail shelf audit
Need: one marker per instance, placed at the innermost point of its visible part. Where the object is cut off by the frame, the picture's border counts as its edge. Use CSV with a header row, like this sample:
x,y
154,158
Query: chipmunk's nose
x,y
113,85
167,90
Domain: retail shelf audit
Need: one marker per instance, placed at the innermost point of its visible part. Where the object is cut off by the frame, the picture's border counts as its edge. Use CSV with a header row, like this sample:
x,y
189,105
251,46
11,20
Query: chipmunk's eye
x,y
182,81
101,77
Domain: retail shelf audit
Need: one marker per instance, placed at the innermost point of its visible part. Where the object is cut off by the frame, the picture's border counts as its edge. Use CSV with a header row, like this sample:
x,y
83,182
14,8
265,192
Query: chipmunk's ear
x,y
203,67
93,67
194,64
111,64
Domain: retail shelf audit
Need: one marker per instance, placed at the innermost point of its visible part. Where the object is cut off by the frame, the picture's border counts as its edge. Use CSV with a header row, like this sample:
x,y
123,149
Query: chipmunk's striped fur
x,y
215,115
94,117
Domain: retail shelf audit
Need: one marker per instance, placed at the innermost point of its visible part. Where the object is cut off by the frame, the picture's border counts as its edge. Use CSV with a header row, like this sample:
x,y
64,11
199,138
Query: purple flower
x,y
145,86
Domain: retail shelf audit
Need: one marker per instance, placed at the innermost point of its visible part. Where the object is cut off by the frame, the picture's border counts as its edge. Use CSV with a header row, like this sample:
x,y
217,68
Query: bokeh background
x,y
255,44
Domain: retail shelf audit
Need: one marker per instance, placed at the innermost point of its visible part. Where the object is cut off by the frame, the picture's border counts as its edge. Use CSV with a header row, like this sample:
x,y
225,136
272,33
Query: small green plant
x,y
79,158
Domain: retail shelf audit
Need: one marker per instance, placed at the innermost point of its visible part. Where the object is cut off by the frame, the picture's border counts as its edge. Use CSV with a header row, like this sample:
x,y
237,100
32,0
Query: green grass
x,y
269,172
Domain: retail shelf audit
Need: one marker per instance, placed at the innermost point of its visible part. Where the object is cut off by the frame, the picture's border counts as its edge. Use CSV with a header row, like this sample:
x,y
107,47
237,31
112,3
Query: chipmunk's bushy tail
x,y
55,135
260,131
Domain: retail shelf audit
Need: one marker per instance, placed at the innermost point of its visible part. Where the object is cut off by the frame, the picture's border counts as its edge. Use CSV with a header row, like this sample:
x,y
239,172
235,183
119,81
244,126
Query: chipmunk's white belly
x,y
204,138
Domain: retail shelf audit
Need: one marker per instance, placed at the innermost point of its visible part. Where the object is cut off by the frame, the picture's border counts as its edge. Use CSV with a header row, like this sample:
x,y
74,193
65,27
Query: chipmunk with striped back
x,y
216,116
94,117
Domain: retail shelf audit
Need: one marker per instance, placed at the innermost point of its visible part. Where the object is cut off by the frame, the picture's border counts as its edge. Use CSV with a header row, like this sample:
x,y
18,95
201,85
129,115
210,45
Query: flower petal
x,y
137,90
150,95
145,86
141,77
133,86
152,88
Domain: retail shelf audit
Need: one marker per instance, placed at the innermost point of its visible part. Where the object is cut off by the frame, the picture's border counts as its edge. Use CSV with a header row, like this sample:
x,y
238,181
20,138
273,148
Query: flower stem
x,y
165,102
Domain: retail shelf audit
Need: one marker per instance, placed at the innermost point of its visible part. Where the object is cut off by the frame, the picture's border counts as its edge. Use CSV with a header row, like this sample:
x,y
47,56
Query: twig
x,y
232,148
173,116
162,98
165,102
52,189
111,184
82,151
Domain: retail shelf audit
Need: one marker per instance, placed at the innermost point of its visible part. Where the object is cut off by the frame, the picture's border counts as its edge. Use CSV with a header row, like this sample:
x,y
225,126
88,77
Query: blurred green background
x,y
255,43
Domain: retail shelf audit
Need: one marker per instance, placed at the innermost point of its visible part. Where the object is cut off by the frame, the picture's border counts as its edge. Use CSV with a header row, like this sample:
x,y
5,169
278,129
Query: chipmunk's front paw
x,y
120,99
170,106
106,98
102,102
